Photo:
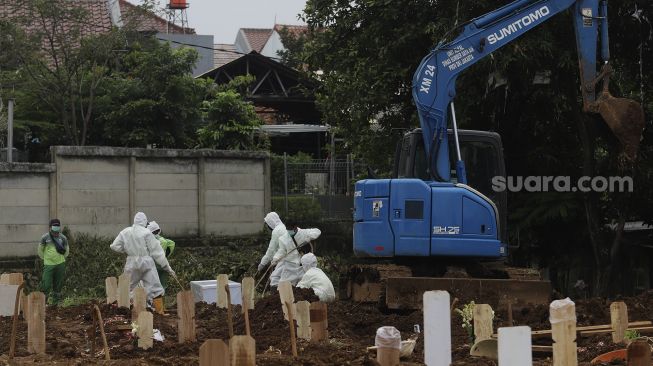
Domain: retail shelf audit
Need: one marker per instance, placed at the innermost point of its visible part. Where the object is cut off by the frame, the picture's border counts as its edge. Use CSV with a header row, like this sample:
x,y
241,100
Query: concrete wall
x,y
24,207
99,189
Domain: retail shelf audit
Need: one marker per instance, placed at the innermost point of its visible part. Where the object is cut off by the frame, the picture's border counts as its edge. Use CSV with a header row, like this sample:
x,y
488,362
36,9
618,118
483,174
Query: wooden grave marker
x,y
563,327
437,328
145,331
230,314
618,321
214,352
291,322
140,302
36,323
186,315
287,296
111,285
639,353
221,296
515,346
123,290
16,278
303,320
319,321
247,288
483,316
242,350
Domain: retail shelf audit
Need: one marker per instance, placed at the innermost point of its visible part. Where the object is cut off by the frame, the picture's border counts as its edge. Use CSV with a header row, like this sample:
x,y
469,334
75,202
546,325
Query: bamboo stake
x,y
230,321
14,323
291,320
98,315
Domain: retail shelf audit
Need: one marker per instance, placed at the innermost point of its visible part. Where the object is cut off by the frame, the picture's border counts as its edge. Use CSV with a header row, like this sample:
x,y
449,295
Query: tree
x,y
230,121
56,63
527,91
151,98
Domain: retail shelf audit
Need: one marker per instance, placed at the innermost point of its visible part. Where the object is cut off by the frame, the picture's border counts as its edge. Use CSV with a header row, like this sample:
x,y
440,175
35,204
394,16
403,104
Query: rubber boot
x,y
158,305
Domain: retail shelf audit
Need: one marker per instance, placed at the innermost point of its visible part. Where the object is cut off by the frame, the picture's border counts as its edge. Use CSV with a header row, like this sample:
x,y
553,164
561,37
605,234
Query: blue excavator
x,y
415,232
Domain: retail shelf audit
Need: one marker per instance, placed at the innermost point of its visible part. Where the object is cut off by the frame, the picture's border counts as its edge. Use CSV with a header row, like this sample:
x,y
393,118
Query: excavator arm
x,y
434,82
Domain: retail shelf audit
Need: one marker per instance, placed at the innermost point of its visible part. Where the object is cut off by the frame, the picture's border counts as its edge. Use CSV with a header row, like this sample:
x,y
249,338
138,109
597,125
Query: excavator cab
x,y
483,154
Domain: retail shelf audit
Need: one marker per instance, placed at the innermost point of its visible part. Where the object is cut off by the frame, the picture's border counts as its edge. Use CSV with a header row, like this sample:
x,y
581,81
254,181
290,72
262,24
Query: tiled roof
x,y
256,37
150,22
295,30
98,18
224,53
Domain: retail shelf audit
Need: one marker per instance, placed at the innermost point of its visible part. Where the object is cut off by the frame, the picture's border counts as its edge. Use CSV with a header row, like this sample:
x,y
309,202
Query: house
x,y
265,41
102,15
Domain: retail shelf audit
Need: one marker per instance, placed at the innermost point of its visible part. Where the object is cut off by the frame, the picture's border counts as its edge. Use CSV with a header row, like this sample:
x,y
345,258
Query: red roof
x,y
150,22
98,19
256,37
295,30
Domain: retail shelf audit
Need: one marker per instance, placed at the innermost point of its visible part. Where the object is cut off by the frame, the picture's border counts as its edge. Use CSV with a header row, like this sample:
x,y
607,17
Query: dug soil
x,y
352,327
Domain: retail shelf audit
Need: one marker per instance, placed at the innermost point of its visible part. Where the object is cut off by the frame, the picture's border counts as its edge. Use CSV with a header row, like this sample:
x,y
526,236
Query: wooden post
x,y
287,296
221,297
437,328
510,321
243,351
303,320
214,352
619,321
515,346
563,328
319,321
247,288
16,278
388,343
247,303
123,290
186,316
36,323
230,315
111,285
14,322
145,330
140,302
291,321
97,316
483,316
639,353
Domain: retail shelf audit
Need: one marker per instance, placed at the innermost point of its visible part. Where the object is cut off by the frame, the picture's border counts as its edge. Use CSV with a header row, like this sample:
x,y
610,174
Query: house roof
x,y
224,53
149,21
295,30
256,37
98,16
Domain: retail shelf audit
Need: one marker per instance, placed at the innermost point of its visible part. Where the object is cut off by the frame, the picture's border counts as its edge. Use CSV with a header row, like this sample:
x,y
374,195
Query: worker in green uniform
x,y
168,247
53,249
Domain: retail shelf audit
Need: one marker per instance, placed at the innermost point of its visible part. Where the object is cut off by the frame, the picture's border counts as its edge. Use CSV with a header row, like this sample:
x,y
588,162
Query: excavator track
x,y
395,287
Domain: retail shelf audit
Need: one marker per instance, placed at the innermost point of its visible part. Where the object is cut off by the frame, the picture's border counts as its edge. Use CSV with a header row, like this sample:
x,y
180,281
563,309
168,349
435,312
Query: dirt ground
x,y
352,327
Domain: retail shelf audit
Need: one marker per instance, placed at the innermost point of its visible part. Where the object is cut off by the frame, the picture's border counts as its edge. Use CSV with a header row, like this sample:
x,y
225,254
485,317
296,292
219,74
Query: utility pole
x,y
10,130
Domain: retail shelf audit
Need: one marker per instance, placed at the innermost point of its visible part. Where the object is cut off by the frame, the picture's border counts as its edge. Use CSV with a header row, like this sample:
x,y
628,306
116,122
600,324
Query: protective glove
x,y
172,273
261,267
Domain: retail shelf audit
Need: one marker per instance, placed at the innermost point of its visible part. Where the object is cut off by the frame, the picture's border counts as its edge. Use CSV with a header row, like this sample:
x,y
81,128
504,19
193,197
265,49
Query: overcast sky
x,y
223,18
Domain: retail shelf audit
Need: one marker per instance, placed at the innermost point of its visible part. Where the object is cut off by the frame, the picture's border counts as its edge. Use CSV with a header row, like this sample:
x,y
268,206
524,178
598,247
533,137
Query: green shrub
x,y
301,209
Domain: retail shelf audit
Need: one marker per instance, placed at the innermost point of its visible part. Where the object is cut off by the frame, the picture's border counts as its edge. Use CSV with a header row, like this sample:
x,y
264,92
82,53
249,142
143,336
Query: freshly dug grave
x,y
352,328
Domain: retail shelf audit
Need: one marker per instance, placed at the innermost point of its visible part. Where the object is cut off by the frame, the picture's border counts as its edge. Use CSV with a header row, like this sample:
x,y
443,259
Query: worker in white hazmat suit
x,y
316,279
143,250
287,257
273,222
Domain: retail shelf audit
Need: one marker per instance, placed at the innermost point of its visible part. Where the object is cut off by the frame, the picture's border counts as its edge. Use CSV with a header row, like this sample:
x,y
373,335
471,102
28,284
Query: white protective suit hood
x,y
140,219
153,226
272,219
309,261
303,236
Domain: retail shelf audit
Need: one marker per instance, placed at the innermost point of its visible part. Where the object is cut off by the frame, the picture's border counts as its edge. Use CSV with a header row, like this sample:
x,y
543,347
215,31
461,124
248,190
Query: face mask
x,y
55,229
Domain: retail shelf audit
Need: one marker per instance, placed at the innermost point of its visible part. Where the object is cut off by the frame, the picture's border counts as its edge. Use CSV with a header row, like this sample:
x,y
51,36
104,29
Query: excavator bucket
x,y
625,117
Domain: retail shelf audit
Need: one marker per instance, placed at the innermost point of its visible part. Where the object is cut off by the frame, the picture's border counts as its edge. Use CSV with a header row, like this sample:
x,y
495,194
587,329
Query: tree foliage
x,y
367,52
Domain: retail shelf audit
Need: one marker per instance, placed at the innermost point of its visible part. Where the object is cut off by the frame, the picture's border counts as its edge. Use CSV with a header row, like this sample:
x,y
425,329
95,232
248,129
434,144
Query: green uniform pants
x,y
52,281
163,277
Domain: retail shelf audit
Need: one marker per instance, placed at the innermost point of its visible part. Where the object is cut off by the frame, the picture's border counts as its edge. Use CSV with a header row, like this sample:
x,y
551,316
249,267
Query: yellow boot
x,y
158,305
